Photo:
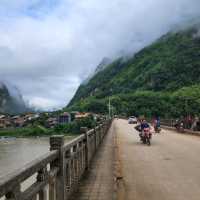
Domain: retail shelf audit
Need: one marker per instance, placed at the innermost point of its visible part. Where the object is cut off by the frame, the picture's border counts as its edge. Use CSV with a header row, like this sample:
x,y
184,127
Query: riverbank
x,y
72,128
25,132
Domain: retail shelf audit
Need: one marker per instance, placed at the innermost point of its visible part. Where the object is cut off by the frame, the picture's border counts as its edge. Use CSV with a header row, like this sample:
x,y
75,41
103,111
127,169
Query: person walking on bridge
x,y
156,125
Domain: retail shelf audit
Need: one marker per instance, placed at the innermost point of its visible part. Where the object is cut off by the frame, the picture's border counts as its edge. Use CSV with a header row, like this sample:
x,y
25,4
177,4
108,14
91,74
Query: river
x,y
14,153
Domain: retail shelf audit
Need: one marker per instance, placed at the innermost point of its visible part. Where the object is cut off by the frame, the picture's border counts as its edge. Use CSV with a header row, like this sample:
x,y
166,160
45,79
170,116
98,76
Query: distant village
x,y
49,119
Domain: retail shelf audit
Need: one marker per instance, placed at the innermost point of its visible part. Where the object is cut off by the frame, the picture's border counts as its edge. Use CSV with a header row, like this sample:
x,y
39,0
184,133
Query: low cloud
x,y
47,48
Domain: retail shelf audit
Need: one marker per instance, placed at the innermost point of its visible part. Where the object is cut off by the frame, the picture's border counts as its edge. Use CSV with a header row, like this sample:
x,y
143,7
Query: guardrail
x,y
168,122
186,131
59,171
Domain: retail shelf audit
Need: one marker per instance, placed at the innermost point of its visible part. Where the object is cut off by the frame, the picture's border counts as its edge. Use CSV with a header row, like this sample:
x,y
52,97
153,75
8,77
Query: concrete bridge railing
x,y
170,125
58,172
168,122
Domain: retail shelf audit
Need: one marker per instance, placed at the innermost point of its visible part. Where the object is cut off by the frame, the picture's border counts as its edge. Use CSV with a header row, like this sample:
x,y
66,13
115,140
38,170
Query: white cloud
x,y
48,48
42,103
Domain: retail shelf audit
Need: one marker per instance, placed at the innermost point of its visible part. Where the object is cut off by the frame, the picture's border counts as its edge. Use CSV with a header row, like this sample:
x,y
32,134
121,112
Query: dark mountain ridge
x,y
11,100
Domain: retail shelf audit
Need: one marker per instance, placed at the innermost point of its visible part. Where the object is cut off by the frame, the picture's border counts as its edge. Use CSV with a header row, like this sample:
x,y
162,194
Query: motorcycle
x,y
146,136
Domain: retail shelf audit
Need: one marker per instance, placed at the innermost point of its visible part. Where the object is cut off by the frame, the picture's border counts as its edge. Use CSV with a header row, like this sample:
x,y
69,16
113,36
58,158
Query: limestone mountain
x,y
164,73
11,100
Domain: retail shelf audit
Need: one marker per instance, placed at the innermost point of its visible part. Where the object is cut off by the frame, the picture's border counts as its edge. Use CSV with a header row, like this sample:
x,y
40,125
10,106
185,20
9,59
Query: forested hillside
x,y
162,79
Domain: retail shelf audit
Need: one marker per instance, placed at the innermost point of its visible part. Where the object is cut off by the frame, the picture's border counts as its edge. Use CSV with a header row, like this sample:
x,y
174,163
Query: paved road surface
x,y
167,170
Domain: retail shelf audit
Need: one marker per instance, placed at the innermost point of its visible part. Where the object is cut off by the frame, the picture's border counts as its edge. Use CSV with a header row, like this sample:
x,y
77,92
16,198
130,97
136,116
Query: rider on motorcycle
x,y
143,125
145,134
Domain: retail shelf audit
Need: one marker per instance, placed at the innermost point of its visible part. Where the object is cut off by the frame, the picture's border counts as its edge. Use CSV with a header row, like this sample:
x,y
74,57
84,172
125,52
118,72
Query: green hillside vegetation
x,y
162,79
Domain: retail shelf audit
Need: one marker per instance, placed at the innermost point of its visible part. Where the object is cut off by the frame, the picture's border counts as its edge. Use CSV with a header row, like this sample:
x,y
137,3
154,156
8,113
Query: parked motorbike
x,y
146,136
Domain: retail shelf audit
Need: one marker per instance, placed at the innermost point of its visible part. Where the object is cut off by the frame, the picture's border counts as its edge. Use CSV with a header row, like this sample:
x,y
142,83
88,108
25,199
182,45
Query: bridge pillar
x,y
57,143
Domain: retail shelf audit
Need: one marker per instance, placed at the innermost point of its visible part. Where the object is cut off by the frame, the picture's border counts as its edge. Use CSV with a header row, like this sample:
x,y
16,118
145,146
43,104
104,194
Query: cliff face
x,y
11,100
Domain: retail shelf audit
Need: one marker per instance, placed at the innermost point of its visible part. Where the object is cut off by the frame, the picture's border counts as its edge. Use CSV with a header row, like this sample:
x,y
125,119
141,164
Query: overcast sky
x,y
48,47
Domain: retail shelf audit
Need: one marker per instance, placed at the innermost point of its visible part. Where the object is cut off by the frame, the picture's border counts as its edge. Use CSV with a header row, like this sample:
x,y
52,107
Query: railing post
x,y
52,189
40,178
84,130
68,171
57,143
75,149
79,159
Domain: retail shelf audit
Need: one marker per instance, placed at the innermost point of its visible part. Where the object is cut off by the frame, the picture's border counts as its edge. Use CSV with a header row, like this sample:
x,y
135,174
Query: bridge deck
x,y
98,183
169,169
